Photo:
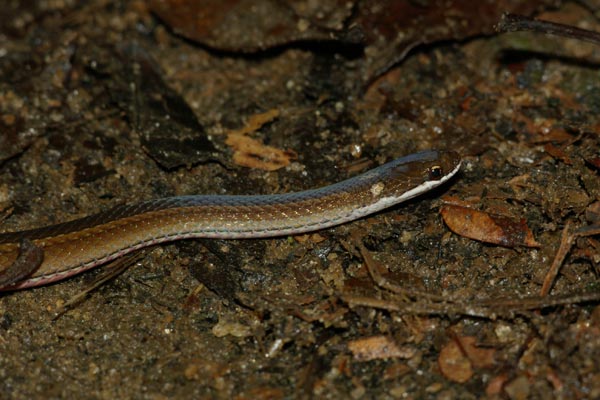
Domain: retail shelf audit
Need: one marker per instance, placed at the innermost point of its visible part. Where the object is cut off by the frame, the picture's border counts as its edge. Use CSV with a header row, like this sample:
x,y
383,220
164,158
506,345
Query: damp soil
x,y
109,102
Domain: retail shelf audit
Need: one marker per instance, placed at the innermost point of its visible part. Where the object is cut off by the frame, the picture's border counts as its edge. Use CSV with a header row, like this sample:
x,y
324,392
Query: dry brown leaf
x,y
592,212
479,357
252,153
495,385
255,122
489,228
594,162
253,25
454,364
557,153
378,347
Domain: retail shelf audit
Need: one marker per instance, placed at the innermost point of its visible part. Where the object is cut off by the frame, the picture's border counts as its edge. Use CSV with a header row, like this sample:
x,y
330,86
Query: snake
x,y
66,249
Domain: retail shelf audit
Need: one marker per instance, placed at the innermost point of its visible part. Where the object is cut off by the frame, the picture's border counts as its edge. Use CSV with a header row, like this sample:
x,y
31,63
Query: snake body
x,y
75,246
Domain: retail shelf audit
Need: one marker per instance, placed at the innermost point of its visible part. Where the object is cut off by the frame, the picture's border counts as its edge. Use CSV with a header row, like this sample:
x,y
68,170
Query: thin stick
x,y
515,23
383,283
486,308
112,270
566,242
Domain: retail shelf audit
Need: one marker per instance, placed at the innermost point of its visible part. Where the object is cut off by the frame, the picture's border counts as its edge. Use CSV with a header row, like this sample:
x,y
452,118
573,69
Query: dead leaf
x,y
495,385
250,25
224,328
454,364
255,122
594,162
480,357
378,347
309,237
489,228
252,153
389,28
393,27
592,212
557,153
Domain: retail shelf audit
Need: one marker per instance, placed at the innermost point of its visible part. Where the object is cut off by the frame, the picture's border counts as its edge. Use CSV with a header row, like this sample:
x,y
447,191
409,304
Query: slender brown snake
x,y
75,246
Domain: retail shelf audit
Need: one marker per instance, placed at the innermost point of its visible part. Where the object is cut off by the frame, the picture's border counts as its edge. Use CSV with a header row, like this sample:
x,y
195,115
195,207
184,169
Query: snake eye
x,y
435,173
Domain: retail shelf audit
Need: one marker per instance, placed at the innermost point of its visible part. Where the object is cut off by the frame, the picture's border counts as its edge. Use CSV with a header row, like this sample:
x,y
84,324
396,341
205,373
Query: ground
x,y
112,102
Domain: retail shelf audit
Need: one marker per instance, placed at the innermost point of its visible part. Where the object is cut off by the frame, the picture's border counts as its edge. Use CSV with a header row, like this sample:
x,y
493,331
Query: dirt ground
x,y
451,295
